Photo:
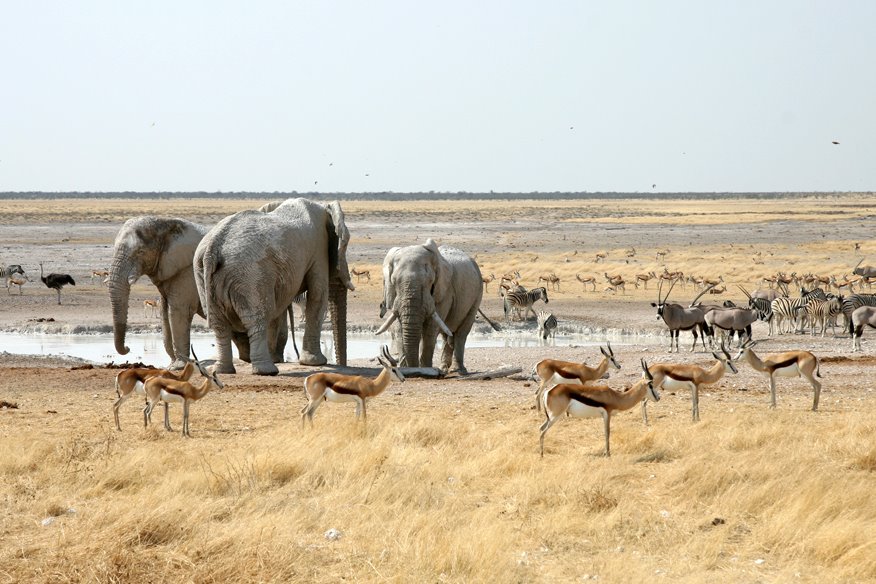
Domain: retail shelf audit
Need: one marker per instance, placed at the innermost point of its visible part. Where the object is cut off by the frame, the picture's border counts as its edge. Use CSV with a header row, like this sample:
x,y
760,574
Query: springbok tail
x,y
817,367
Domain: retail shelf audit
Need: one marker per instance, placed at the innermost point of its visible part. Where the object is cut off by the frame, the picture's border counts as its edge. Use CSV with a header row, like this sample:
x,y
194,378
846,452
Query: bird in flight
x,y
834,142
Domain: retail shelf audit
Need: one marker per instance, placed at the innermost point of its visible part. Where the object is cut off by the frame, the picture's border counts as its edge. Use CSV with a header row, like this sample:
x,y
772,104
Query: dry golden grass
x,y
438,487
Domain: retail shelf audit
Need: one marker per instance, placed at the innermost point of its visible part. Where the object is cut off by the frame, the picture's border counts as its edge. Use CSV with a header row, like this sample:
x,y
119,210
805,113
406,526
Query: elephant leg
x,y
180,328
166,332
262,363
280,336
315,311
241,341
224,358
447,352
460,336
427,343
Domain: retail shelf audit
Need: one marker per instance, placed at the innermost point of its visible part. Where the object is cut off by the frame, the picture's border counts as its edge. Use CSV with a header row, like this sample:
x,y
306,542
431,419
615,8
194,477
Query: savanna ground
x,y
445,482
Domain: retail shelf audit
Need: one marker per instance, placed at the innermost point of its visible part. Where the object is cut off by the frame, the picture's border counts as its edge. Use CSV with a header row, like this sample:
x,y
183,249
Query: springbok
x,y
677,377
101,275
553,372
130,381
585,281
164,390
486,280
360,274
600,256
789,364
581,401
645,278
335,387
152,306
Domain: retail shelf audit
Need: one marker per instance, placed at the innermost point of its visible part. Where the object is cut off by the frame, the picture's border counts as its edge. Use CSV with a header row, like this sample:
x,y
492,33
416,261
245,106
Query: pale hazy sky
x,y
446,96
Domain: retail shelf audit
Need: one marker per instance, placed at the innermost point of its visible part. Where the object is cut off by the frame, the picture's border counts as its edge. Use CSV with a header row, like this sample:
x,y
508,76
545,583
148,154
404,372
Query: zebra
x,y
504,289
850,303
7,272
763,306
547,325
823,312
523,300
789,308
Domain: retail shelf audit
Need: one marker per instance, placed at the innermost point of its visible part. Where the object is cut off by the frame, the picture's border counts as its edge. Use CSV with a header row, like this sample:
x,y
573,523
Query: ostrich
x,y
56,281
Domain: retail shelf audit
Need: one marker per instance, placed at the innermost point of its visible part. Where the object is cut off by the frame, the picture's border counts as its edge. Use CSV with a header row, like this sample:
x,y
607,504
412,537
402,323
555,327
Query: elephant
x,y
162,249
250,267
428,289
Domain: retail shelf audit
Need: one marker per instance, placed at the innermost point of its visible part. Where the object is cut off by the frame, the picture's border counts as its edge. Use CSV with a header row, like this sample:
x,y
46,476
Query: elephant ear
x,y
339,239
268,207
159,236
388,267
442,270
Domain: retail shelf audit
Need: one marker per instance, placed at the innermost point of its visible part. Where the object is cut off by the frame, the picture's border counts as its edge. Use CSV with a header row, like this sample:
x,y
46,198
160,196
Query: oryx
x,y
864,271
678,318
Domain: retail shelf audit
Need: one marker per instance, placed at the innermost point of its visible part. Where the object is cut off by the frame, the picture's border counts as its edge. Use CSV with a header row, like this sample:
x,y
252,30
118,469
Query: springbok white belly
x,y
670,384
335,397
579,410
791,370
139,388
171,398
557,379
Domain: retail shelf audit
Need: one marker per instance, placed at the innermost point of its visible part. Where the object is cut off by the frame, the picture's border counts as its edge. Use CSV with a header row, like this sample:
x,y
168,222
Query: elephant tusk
x,y
389,320
441,324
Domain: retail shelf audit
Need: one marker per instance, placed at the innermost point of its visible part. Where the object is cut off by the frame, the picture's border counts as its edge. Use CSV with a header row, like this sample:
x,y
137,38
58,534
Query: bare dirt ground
x,y
741,241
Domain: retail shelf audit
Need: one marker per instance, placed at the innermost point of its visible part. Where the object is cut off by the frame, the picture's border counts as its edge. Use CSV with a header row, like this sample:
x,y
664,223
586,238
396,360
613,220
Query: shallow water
x,y
149,347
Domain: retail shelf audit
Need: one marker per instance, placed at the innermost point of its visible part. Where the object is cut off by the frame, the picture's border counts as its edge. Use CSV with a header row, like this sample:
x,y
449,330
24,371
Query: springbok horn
x,y
195,356
384,350
645,368
386,323
441,324
608,344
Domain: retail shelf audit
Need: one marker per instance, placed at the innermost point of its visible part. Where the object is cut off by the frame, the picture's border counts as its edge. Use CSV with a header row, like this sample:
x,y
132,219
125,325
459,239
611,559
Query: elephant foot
x,y
308,358
264,369
225,368
178,364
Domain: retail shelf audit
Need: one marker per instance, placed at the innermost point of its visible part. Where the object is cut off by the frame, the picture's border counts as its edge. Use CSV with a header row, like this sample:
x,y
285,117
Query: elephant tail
x,y
209,265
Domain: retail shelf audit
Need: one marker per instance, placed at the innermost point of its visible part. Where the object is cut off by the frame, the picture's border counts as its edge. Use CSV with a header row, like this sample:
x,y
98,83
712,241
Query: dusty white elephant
x,y
250,267
161,249
426,290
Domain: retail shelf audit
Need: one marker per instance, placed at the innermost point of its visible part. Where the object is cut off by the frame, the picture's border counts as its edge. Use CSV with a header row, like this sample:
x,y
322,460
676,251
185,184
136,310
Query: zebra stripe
x,y
547,324
523,300
7,272
790,308
823,312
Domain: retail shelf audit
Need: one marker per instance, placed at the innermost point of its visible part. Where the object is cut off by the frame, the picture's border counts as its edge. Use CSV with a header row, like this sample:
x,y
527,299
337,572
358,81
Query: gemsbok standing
x,y
790,364
338,388
553,372
678,377
862,316
587,401
678,318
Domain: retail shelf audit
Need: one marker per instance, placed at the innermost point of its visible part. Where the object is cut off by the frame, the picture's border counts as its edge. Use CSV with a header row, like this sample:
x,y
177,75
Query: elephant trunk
x,y
119,290
412,321
338,308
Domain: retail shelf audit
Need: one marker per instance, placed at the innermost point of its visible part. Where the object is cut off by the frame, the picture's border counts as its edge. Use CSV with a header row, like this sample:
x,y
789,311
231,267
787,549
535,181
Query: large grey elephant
x,y
430,289
250,267
162,249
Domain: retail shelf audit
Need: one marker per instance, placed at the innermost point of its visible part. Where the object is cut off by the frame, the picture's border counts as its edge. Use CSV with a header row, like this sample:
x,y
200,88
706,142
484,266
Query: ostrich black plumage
x,y
56,281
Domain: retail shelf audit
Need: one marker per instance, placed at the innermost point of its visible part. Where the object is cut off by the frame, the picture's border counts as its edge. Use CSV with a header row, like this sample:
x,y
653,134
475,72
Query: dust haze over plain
x,y
451,96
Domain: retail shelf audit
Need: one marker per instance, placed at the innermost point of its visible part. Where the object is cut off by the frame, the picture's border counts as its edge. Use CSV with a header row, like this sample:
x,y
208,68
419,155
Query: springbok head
x,y
390,363
609,354
206,372
725,358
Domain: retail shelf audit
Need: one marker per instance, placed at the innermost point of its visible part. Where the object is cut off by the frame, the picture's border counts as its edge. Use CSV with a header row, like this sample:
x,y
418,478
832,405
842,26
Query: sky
x,y
411,96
